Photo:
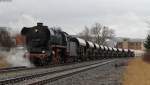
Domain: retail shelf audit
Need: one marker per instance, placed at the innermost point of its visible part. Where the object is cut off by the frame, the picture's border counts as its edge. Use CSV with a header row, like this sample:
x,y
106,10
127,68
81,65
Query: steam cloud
x,y
15,56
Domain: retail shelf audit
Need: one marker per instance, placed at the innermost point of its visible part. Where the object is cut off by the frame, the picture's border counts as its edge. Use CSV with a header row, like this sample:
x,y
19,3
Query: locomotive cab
x,y
58,44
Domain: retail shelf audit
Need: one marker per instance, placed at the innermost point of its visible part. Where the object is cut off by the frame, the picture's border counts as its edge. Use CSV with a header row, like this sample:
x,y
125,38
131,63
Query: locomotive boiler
x,y
45,45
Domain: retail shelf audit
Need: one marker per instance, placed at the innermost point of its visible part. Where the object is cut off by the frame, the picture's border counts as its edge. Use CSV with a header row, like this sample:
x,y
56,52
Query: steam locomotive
x,y
50,46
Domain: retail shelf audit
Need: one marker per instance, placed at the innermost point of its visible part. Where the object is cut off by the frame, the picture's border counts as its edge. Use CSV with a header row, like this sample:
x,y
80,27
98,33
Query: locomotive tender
x,y
50,46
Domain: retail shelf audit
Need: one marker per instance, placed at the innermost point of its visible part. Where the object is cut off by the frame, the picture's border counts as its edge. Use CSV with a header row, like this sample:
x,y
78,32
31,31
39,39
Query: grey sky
x,y
127,17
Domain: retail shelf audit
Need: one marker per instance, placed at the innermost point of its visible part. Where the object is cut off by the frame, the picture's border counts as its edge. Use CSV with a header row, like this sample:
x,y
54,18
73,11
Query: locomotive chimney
x,y
39,24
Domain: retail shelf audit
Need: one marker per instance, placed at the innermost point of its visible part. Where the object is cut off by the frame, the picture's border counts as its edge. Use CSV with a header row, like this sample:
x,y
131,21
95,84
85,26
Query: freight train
x,y
50,46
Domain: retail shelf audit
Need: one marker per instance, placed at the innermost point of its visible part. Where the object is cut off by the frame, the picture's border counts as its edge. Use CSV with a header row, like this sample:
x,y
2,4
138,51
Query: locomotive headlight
x,y
43,51
26,51
36,30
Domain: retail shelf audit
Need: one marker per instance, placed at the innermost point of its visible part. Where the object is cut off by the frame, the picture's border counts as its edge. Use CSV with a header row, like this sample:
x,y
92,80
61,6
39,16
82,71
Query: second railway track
x,y
52,75
13,72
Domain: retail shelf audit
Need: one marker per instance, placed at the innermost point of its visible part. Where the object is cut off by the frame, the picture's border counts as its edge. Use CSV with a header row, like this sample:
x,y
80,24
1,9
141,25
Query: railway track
x,y
2,70
41,78
24,68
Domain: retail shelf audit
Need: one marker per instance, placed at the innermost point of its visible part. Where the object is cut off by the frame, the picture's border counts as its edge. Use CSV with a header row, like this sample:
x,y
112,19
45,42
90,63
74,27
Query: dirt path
x,y
137,73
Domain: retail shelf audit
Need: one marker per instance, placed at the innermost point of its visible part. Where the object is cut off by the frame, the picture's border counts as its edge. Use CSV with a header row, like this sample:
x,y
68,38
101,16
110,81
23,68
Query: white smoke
x,y
15,56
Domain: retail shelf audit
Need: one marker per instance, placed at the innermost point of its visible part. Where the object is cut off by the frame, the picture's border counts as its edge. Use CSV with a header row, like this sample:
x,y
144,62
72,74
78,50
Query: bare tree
x,y
97,33
101,33
6,39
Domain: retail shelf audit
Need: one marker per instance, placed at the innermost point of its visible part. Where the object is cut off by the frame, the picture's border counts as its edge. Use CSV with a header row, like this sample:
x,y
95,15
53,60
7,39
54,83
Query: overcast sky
x,y
127,17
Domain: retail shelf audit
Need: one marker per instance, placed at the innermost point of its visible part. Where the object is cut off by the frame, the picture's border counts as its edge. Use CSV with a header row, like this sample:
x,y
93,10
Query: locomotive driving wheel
x,y
56,56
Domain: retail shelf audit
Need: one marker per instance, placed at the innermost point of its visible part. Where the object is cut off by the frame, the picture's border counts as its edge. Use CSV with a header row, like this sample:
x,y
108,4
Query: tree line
x,y
97,33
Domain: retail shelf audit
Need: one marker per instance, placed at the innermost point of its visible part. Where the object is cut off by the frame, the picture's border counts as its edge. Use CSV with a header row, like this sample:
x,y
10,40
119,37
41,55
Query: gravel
x,y
109,74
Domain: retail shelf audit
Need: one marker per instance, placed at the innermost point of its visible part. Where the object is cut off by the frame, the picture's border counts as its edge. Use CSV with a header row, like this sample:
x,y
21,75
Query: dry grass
x,y
137,73
3,63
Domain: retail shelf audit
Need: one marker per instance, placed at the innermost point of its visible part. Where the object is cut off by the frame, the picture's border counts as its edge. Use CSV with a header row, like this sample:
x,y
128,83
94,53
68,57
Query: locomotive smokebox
x,y
39,24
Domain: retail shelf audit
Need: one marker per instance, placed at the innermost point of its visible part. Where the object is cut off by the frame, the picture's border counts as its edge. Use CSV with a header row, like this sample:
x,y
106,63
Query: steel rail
x,y
36,75
66,73
2,70
20,68
22,78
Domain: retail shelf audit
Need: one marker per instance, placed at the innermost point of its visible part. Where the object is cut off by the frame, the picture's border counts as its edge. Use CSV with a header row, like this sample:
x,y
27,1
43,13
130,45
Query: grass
x,y
3,63
137,73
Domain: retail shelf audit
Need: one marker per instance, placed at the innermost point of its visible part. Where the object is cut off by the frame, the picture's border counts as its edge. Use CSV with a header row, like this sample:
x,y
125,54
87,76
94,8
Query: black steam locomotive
x,y
50,46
